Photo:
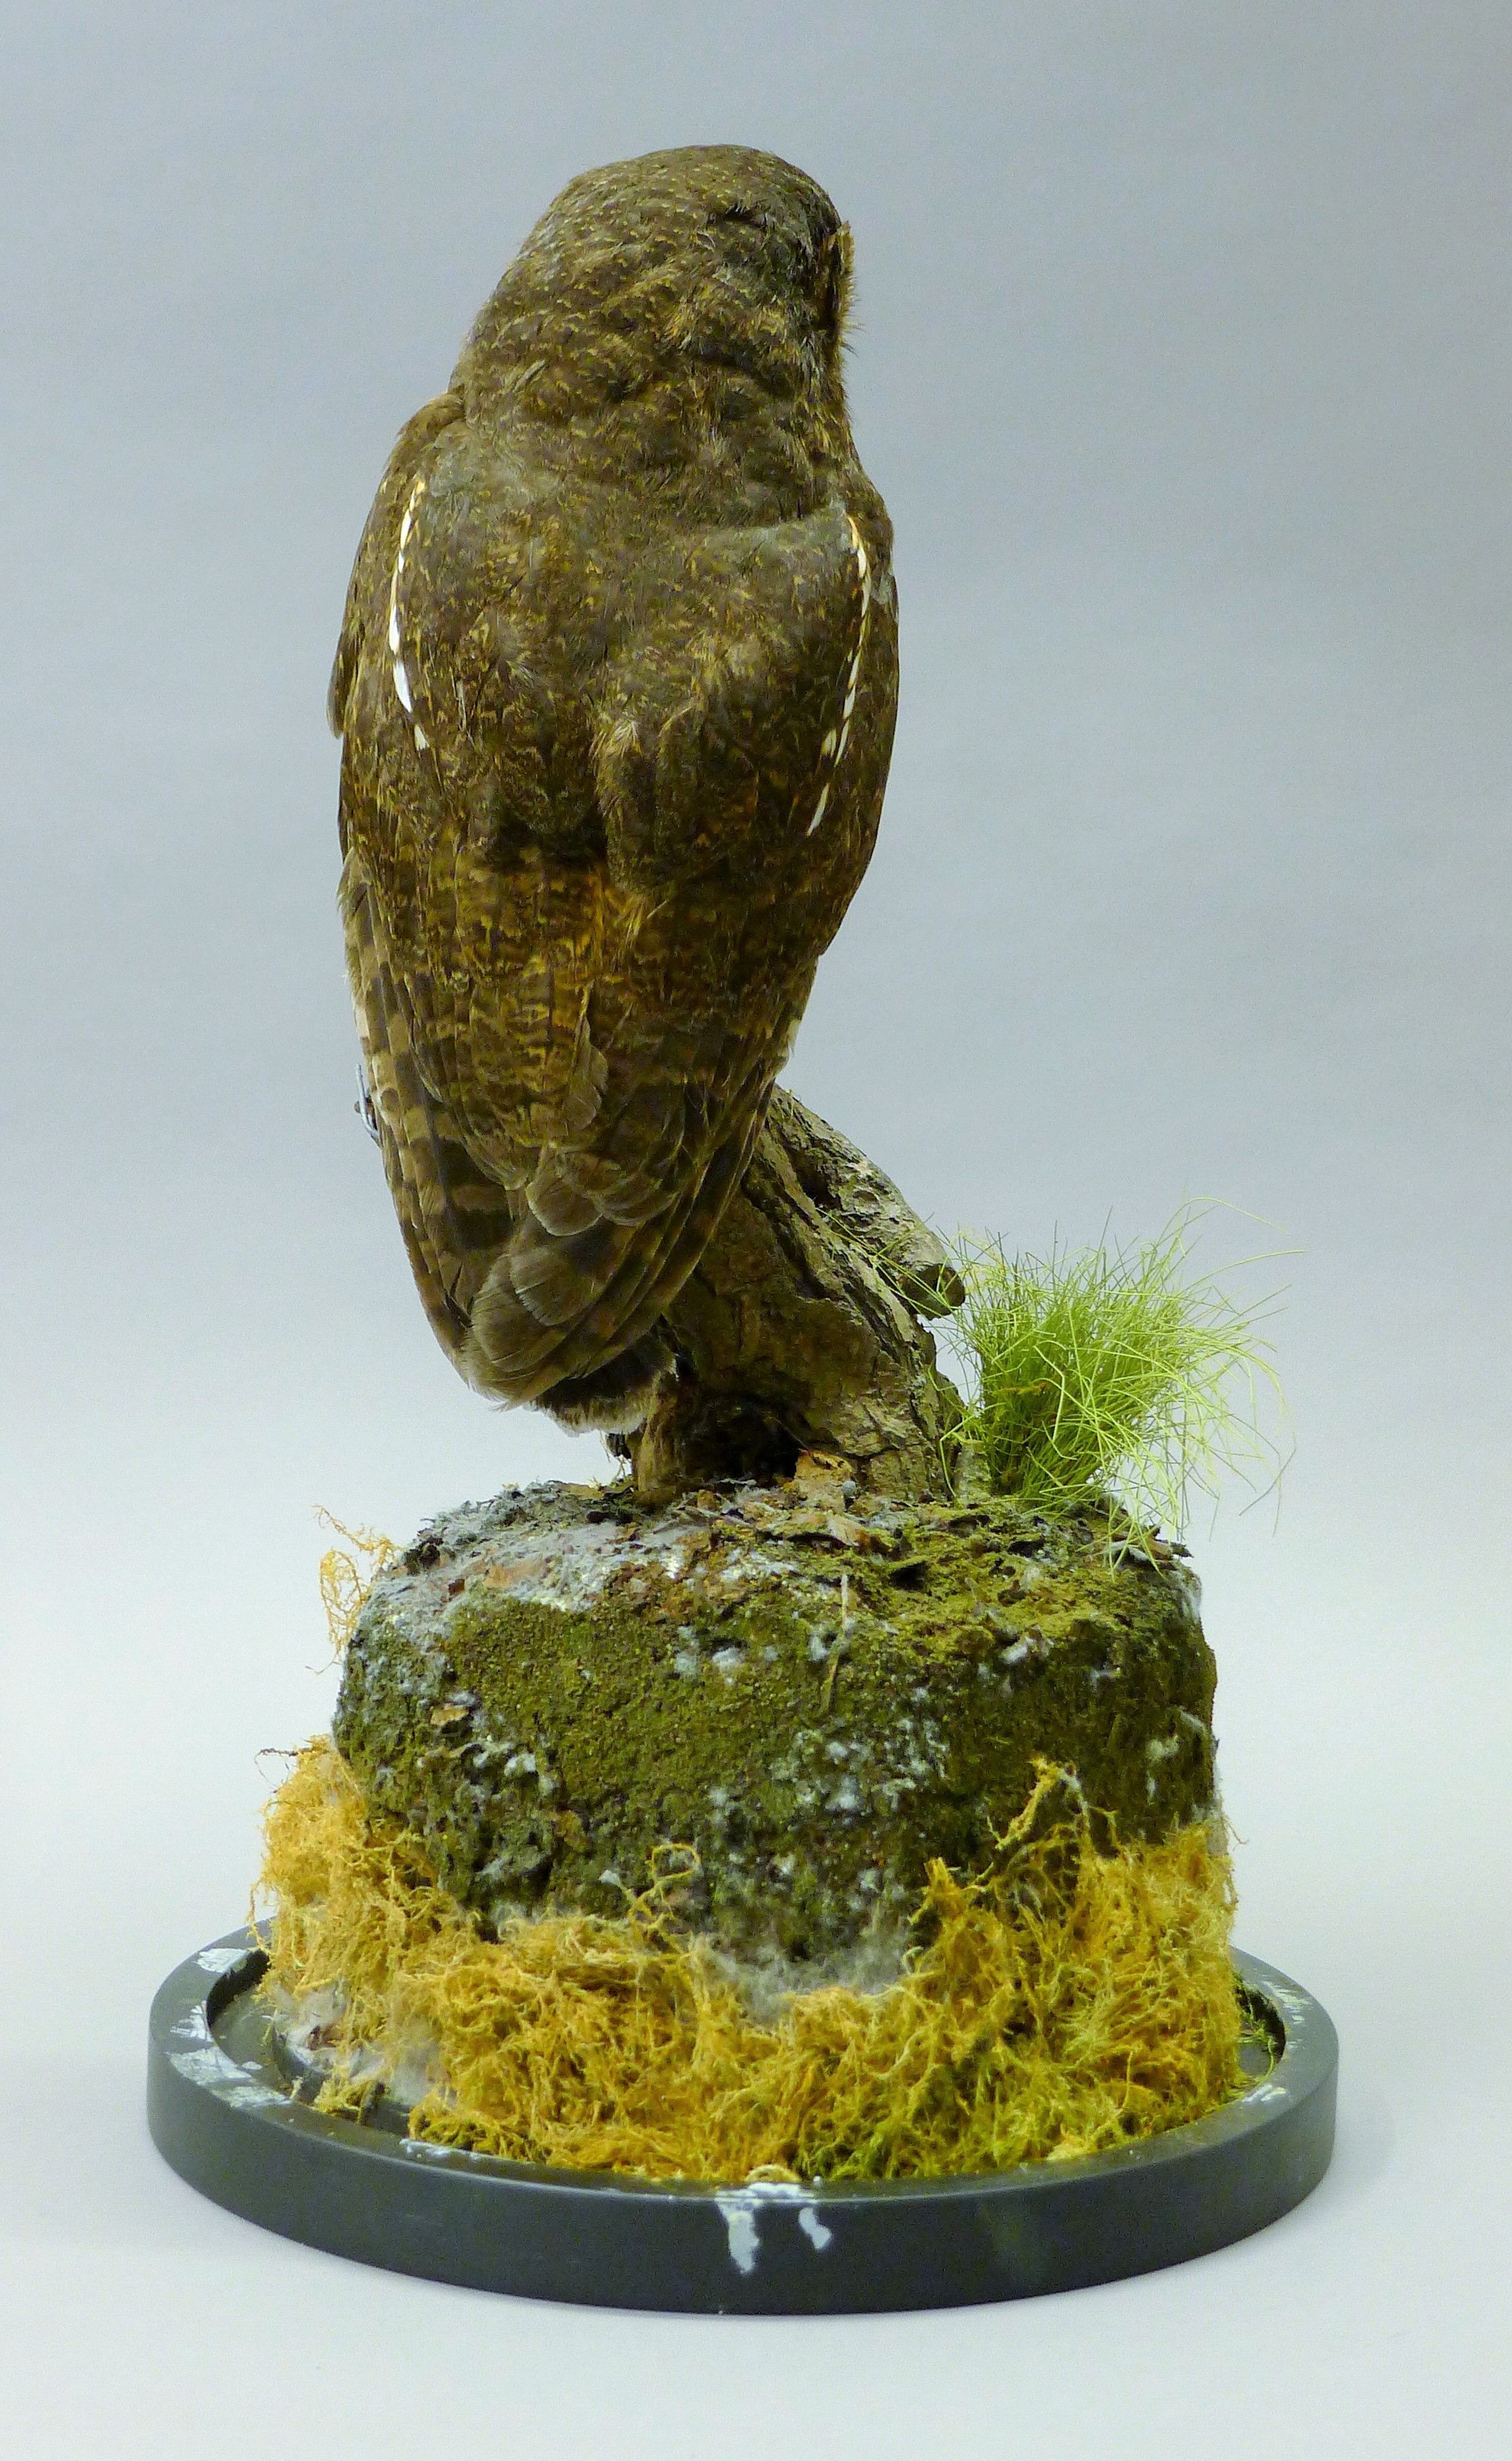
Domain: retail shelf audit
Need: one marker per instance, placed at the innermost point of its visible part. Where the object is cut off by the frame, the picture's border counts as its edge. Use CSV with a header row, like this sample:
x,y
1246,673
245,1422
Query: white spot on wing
x,y
401,679
833,747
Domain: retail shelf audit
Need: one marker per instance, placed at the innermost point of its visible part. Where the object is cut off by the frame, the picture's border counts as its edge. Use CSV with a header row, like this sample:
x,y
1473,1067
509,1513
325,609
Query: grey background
x,y
1181,359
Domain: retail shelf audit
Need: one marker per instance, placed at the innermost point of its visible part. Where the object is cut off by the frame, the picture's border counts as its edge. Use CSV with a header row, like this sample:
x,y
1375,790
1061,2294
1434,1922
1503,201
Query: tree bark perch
x,y
801,1330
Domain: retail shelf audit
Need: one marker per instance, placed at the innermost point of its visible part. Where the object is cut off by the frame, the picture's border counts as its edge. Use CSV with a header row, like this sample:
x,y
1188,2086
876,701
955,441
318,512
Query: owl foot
x,y
693,1437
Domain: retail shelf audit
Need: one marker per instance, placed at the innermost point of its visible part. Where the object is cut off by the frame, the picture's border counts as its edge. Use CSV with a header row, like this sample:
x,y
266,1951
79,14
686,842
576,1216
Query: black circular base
x,y
226,2113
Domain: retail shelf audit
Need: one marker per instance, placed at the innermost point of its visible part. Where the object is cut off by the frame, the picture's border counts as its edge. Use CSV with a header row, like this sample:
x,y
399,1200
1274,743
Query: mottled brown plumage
x,y
616,679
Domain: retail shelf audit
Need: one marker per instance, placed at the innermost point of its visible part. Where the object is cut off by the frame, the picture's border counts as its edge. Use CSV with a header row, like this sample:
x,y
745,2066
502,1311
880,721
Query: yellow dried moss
x,y
1064,2005
345,1580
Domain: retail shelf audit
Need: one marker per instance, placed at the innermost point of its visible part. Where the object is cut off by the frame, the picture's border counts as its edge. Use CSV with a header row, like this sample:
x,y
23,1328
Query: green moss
x,y
816,1717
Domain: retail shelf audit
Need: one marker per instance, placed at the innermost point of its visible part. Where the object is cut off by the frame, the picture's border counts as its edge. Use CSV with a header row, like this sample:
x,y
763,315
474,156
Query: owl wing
x,y
602,810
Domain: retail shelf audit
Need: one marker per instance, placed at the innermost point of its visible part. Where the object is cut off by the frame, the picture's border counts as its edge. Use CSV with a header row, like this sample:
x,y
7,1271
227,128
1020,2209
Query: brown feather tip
x,y
614,1399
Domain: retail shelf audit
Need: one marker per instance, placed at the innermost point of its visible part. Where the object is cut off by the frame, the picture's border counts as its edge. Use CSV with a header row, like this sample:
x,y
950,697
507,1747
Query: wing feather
x,y
590,873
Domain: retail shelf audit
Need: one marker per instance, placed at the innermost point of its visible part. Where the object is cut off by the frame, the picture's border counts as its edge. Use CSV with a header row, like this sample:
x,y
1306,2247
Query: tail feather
x,y
567,1316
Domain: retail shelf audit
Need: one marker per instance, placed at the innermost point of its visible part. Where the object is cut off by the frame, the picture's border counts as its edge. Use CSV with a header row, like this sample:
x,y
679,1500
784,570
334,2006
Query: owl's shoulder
x,y
376,546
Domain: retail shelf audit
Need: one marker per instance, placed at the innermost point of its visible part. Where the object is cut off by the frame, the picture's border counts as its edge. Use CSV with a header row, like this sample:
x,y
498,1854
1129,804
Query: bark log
x,y
800,1331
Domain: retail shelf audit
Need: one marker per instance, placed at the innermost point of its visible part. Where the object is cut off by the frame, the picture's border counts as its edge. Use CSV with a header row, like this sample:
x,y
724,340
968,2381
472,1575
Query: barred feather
x,y
616,682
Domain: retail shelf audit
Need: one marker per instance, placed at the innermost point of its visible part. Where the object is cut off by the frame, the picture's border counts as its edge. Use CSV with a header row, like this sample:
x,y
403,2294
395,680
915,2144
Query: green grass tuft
x,y
1114,1374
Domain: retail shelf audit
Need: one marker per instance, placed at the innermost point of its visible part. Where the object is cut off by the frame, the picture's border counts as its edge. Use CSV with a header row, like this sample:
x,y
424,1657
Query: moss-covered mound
x,y
1064,2001
814,1702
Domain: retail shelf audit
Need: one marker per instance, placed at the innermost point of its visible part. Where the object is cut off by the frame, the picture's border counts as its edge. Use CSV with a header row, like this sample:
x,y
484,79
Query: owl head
x,y
706,257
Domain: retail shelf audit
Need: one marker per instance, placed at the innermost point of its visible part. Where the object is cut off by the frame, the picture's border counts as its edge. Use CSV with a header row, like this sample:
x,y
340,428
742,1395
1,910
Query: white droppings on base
x,y
740,2228
1291,2001
221,2077
742,2207
198,2055
220,1960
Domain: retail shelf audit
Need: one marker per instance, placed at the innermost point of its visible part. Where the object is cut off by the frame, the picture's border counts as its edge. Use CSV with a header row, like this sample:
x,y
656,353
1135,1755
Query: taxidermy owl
x,y
616,683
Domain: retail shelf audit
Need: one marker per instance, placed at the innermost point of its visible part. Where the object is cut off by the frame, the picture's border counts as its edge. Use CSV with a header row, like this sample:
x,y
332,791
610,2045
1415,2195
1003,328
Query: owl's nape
x,y
616,685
